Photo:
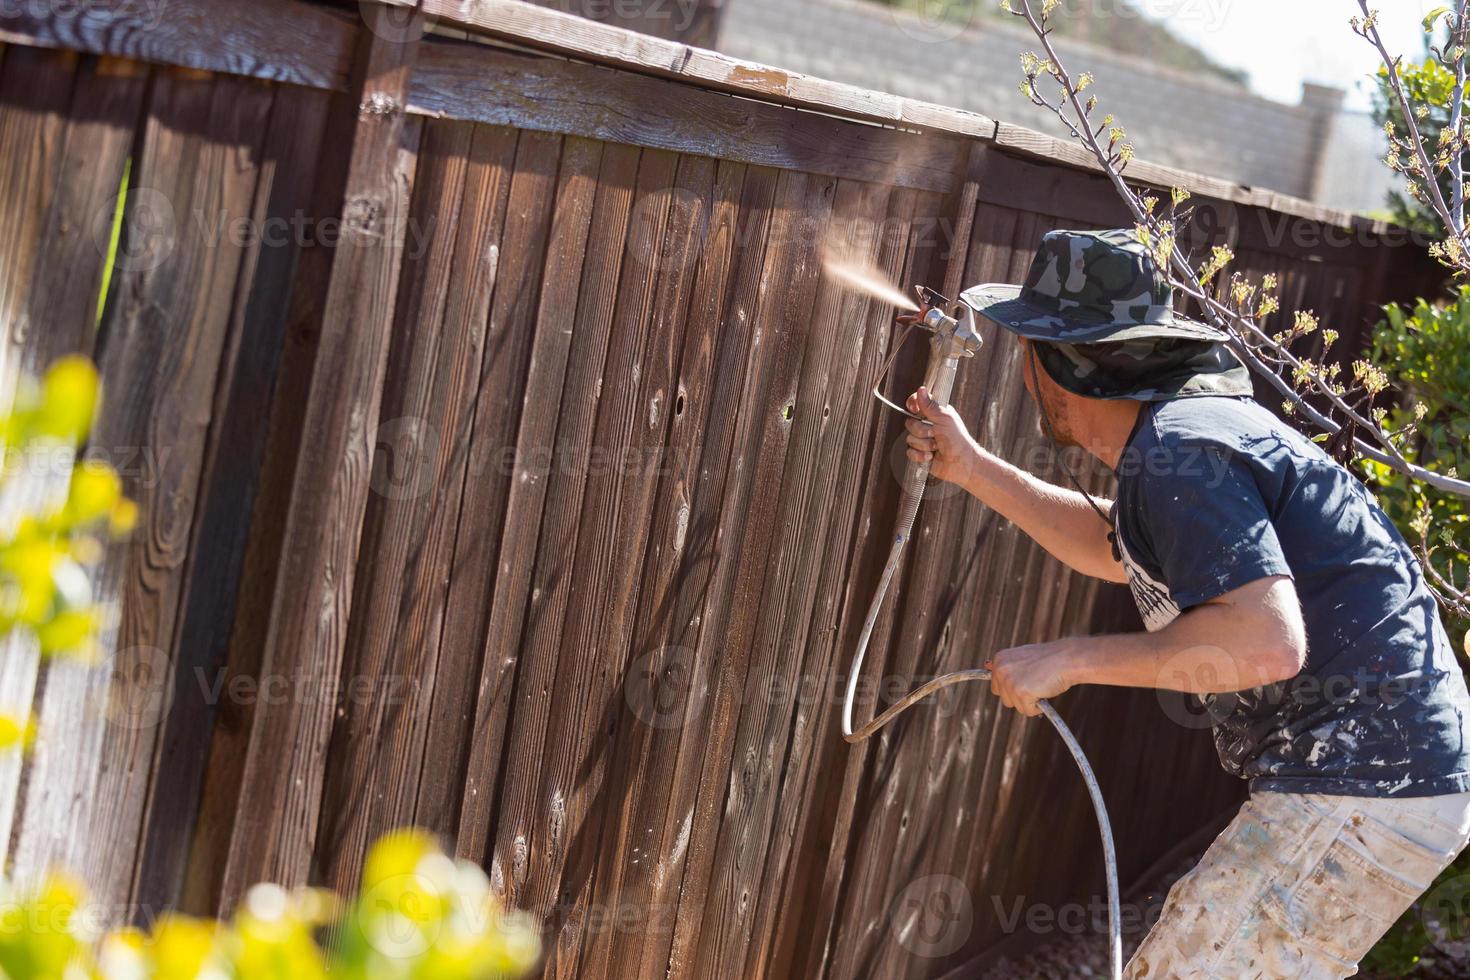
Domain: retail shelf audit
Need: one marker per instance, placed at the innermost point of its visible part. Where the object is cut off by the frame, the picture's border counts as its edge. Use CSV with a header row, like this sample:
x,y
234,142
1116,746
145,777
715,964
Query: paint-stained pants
x,y
1301,886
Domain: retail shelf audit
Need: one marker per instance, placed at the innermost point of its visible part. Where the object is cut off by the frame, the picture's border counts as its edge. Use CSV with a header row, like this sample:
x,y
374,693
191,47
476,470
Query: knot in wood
x,y
362,216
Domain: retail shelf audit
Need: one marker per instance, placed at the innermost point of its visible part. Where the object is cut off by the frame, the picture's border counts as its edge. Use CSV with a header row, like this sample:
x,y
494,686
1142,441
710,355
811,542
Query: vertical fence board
x,y
702,226
161,350
105,104
802,715
500,398
411,507
823,809
461,637
524,594
231,476
34,90
565,661
672,690
533,444
171,325
275,827
577,851
723,920
60,301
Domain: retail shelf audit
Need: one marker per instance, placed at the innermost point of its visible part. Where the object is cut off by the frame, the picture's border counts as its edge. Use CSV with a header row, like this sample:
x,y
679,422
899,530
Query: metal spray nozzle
x,y
953,324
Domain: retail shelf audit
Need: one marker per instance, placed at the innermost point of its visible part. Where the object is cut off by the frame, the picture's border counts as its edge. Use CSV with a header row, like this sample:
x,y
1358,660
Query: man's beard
x,y
1059,418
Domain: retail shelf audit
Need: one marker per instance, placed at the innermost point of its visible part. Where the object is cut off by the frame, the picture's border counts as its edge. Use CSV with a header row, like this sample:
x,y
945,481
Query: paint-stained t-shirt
x,y
1215,493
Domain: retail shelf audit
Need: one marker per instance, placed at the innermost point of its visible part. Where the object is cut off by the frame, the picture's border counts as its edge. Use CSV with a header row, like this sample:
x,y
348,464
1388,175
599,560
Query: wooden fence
x,y
507,467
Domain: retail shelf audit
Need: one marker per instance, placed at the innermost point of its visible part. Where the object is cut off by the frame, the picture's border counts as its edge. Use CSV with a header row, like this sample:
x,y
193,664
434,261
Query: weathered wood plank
x,y
305,312
501,394
159,358
471,81
278,40
809,502
232,473
604,725
786,301
800,945
565,252
373,759
33,130
276,825
566,34
802,721
522,617
697,248
658,675
35,92
564,672
62,305
196,286
667,686
471,576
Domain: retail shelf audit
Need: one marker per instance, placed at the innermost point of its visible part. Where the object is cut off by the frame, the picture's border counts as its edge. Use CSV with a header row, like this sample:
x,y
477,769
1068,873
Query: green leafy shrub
x,y
1425,351
1426,83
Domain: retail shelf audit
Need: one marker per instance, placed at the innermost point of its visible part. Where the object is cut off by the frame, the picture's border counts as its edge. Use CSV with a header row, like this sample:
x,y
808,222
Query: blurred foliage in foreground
x,y
419,916
45,550
57,518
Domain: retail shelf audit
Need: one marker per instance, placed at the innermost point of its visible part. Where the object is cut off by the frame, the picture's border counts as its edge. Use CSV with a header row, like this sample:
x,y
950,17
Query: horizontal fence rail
x,y
508,467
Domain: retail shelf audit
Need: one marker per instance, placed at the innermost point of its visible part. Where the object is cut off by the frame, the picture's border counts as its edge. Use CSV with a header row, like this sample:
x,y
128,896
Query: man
x,y
1272,586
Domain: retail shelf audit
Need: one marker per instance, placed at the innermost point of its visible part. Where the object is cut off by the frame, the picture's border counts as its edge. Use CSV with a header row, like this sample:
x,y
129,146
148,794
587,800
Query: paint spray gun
x,y
954,338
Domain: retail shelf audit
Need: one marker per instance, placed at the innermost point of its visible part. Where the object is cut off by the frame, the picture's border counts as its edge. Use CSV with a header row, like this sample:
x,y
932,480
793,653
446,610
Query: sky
x,y
1283,43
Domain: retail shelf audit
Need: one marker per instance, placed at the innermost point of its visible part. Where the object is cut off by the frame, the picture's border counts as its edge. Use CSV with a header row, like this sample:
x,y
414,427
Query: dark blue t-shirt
x,y
1215,493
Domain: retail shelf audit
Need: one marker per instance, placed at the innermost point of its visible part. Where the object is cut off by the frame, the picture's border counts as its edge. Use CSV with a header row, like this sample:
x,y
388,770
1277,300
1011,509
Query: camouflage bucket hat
x,y
1085,287
1151,369
1102,319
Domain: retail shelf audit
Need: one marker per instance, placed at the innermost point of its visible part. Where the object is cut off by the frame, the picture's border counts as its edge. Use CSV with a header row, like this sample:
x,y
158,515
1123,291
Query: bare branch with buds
x,y
1351,422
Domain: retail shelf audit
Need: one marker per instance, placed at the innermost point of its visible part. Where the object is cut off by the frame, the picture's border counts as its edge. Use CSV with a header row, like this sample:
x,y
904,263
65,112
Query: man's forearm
x,y
1058,519
1212,649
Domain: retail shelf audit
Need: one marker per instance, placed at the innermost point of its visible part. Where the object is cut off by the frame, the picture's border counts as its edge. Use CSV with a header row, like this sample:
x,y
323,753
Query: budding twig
x,y
1270,356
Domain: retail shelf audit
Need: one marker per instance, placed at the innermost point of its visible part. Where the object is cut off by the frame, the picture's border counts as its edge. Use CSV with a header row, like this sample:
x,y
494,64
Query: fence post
x,y
275,813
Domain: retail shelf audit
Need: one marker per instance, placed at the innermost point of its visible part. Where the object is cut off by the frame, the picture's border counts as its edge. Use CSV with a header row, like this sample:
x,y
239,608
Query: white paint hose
x,y
954,340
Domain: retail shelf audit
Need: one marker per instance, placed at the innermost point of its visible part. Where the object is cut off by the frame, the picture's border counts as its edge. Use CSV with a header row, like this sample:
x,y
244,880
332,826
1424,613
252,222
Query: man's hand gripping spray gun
x,y
954,339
